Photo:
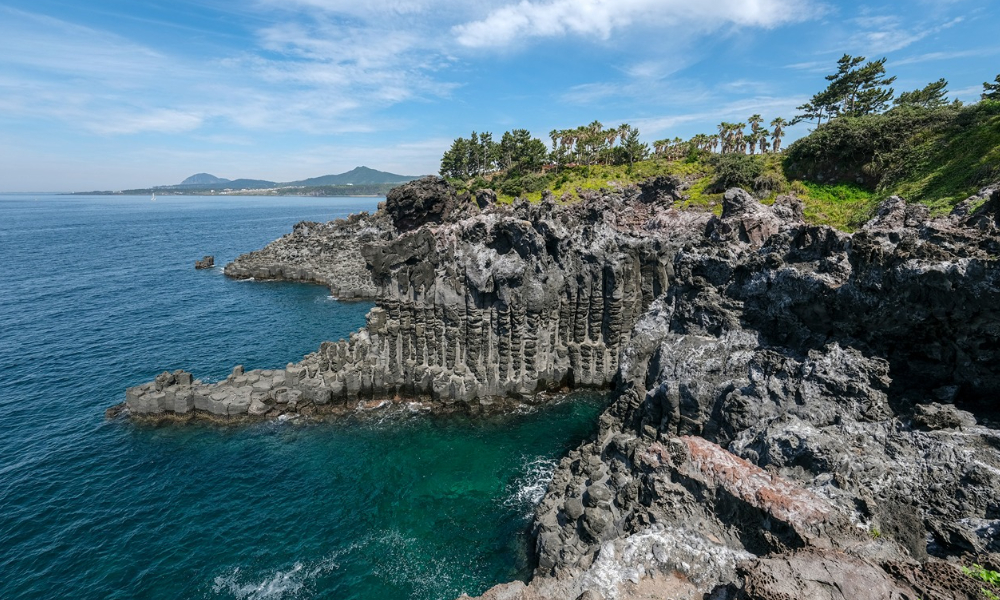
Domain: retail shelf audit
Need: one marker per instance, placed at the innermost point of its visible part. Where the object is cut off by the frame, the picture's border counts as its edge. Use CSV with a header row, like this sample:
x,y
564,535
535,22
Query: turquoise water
x,y
99,293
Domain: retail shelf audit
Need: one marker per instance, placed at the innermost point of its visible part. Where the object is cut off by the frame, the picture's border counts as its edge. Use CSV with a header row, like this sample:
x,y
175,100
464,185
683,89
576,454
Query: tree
x,y
632,148
820,106
520,153
934,95
991,91
860,89
455,162
857,88
777,134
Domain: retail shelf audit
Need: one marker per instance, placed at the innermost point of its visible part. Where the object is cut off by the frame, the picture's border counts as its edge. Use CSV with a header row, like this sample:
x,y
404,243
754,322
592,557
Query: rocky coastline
x,y
797,412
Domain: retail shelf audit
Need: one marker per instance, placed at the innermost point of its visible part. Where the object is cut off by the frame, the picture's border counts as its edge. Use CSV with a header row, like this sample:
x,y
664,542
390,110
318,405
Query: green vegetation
x,y
991,578
924,148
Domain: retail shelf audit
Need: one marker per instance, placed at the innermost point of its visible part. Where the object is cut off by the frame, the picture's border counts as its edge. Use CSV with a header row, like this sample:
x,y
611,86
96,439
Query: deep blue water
x,y
100,293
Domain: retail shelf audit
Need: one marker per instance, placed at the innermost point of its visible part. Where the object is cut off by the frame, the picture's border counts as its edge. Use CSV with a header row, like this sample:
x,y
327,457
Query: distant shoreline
x,y
206,193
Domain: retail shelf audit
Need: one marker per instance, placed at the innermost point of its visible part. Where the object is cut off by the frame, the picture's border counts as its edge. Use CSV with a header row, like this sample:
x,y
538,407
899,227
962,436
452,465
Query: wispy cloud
x,y
601,18
311,74
933,56
888,33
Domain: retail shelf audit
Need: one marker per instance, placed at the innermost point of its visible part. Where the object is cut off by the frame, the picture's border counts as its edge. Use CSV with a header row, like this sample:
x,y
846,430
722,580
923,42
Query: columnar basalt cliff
x,y
473,306
803,414
796,412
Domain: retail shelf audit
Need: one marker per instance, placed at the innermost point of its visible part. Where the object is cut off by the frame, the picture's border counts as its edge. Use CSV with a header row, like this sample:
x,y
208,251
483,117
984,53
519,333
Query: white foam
x,y
280,584
529,489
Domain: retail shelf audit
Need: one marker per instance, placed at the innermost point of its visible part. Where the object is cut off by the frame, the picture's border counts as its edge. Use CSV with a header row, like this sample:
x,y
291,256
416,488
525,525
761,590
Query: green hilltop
x,y
867,144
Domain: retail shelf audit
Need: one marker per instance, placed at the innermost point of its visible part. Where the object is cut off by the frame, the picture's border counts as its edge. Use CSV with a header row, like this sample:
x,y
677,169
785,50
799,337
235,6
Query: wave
x,y
281,584
527,490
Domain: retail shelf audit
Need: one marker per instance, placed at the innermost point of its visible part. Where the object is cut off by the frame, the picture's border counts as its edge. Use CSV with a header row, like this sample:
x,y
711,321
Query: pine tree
x,y
991,91
934,95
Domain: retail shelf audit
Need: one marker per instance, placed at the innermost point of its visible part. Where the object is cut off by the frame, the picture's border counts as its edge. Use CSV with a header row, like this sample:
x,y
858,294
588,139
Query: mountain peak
x,y
203,179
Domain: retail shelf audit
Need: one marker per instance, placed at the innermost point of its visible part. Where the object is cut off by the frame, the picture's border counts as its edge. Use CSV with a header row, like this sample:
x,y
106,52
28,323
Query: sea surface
x,y
99,293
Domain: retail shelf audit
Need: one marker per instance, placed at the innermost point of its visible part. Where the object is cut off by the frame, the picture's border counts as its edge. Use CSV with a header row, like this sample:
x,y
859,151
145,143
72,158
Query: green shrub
x,y
735,170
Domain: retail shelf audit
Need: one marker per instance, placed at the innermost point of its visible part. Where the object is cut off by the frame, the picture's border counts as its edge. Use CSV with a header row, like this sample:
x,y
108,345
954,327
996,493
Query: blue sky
x,y
111,94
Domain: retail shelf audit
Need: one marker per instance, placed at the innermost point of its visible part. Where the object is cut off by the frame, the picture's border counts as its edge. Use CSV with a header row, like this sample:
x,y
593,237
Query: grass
x,y
944,160
947,166
843,206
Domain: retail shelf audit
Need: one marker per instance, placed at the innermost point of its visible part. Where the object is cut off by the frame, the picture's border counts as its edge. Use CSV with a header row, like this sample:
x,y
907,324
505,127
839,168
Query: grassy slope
x,y
940,167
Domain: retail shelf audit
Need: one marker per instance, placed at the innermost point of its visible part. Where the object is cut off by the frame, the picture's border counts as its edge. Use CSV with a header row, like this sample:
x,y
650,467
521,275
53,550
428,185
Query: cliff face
x,y
803,397
324,253
473,306
797,412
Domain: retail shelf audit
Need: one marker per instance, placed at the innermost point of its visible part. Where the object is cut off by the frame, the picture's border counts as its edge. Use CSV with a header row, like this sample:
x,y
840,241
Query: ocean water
x,y
100,293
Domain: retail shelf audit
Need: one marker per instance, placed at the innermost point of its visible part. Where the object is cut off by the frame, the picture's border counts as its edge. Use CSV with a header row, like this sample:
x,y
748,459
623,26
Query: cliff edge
x,y
797,412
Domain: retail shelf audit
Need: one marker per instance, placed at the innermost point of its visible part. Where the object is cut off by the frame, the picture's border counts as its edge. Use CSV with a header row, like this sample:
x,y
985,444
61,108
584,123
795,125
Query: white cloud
x,y
600,18
932,56
885,34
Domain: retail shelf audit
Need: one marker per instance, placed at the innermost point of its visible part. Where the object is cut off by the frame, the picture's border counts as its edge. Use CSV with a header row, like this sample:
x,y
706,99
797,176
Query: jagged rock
x,y
746,220
426,200
663,189
323,253
205,263
939,416
485,198
773,382
819,575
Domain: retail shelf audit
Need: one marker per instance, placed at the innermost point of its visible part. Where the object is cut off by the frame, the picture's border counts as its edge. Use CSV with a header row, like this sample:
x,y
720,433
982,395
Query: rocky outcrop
x,y
806,397
426,200
323,253
207,262
506,303
797,411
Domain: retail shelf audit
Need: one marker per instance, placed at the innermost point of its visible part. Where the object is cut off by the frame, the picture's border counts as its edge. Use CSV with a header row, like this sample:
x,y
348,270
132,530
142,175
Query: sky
x,y
116,94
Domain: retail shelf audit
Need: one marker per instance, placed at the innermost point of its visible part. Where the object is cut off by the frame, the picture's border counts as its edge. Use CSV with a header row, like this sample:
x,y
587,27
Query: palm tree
x,y
739,139
777,134
762,140
726,137
755,121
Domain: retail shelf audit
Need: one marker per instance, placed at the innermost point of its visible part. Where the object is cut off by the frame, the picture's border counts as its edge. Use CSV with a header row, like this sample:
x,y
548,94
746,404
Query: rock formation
x,y
490,305
797,412
324,253
205,263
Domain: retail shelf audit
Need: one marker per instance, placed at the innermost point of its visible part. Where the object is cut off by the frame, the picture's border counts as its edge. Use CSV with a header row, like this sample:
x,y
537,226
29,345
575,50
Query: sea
x,y
99,293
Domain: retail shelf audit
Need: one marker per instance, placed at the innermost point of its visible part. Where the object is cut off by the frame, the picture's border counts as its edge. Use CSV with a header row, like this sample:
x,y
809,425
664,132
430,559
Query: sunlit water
x,y
99,293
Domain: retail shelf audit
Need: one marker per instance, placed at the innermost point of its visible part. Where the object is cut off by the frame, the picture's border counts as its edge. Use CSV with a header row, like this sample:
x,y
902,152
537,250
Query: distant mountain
x,y
203,179
359,180
356,176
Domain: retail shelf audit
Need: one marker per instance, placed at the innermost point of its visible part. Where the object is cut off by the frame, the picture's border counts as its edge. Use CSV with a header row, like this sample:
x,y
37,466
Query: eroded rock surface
x,y
483,306
798,412
324,253
807,397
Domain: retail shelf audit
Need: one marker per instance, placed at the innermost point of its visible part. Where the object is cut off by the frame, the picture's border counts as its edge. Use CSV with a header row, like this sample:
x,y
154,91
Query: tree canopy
x,y
934,95
857,88
991,91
